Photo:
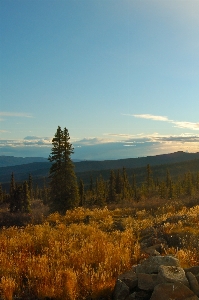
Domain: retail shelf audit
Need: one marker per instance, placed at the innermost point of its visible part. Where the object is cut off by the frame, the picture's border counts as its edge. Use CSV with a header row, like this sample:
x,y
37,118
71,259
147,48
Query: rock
x,y
175,291
121,290
158,278
142,295
172,274
152,264
194,286
147,282
193,270
129,278
131,297
153,250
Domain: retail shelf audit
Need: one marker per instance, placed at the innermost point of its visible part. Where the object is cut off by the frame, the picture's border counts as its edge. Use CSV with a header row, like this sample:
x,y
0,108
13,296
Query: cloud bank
x,y
112,145
101,149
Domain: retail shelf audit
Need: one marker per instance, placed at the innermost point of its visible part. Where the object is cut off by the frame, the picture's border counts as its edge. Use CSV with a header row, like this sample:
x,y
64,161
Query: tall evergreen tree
x,y
63,181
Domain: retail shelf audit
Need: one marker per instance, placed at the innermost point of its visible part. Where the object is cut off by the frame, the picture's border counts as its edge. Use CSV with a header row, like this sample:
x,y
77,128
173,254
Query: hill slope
x,y
178,163
6,161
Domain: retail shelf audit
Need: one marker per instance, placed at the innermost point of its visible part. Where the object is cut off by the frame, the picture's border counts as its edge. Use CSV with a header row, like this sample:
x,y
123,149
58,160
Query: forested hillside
x,y
6,161
84,169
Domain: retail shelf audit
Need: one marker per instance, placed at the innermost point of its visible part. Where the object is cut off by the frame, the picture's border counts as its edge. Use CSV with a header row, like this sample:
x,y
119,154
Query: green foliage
x,y
1,194
100,192
19,200
112,196
63,183
81,192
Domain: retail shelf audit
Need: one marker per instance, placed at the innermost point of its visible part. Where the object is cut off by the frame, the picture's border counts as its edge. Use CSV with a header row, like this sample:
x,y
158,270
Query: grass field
x,y
79,255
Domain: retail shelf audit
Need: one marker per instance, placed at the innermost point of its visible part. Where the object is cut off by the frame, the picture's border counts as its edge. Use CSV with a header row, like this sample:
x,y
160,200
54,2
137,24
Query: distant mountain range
x,y
6,161
39,167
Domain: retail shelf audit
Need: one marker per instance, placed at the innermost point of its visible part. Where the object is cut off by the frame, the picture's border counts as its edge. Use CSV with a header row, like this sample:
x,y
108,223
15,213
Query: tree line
x,y
64,191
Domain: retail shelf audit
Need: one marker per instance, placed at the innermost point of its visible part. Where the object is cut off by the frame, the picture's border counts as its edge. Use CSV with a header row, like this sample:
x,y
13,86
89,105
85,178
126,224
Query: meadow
x,y
80,254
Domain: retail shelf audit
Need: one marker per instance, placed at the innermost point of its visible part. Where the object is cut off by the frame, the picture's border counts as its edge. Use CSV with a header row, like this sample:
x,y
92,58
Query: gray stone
x,y
147,282
194,270
153,250
172,274
142,295
129,278
194,286
197,277
174,291
131,296
151,265
121,290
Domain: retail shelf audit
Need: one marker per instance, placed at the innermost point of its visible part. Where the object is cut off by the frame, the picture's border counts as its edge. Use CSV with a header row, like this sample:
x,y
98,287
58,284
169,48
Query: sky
x,y
121,75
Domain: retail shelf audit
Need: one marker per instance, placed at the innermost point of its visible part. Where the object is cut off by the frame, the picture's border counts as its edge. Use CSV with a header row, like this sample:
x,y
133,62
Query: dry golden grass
x,y
79,255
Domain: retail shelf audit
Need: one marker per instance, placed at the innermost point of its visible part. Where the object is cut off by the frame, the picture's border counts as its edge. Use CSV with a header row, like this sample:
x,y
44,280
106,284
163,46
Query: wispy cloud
x,y
25,142
15,114
151,117
91,141
179,124
3,131
189,125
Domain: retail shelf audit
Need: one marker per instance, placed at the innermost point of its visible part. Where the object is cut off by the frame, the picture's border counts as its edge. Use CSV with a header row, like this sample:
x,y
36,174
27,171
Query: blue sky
x,y
121,75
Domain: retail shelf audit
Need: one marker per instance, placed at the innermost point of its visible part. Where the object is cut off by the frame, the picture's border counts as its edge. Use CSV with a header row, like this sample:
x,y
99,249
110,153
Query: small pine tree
x,y
112,188
1,194
134,186
25,205
100,192
91,187
30,186
118,185
81,192
125,185
168,179
12,203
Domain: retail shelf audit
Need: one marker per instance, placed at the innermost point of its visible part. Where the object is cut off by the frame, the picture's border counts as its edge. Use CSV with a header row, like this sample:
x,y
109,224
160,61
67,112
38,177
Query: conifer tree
x,y
63,181
149,178
125,184
118,183
134,186
1,194
81,192
112,187
168,179
12,203
19,200
91,188
30,186
100,191
25,203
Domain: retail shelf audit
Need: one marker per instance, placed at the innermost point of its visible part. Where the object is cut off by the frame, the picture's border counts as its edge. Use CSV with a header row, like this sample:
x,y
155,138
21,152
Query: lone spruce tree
x,y
63,181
